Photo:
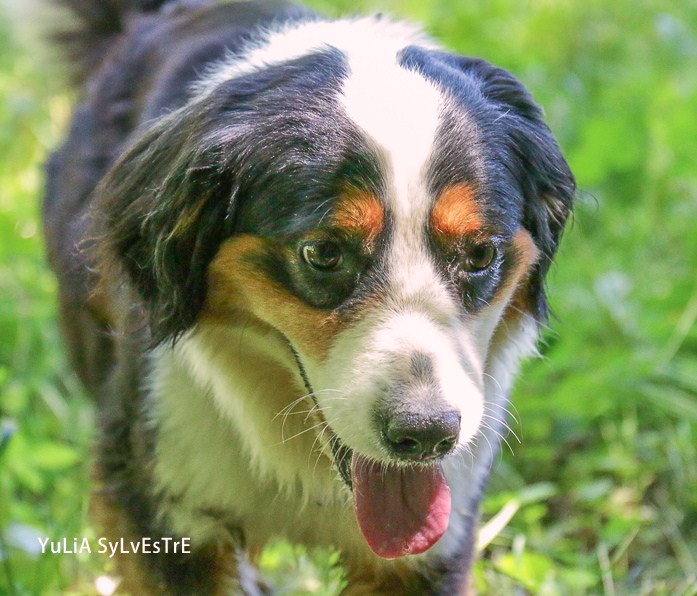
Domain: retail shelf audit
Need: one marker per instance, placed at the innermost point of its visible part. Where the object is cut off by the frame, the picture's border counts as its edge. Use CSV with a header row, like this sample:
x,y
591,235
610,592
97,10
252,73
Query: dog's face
x,y
392,217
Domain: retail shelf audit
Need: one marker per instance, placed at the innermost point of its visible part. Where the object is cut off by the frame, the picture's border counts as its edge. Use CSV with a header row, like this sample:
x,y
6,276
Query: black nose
x,y
416,436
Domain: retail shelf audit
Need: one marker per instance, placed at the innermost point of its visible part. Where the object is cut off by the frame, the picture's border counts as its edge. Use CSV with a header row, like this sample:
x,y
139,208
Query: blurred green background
x,y
599,496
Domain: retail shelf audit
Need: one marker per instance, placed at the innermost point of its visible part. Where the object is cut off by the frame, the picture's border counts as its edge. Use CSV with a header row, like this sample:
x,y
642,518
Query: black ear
x,y
537,165
161,213
175,195
532,156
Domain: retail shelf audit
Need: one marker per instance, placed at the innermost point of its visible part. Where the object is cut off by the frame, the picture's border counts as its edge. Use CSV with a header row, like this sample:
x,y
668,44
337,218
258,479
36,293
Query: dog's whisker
x,y
317,408
494,379
497,434
302,398
502,407
287,410
310,412
290,406
503,423
467,449
319,450
486,427
302,432
313,408
490,463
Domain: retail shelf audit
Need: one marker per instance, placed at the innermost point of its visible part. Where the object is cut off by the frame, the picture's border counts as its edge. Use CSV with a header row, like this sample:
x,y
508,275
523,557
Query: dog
x,y
299,261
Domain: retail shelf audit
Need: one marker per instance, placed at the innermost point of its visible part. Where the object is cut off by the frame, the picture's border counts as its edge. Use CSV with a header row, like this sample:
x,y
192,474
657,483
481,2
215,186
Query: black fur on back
x,y
94,27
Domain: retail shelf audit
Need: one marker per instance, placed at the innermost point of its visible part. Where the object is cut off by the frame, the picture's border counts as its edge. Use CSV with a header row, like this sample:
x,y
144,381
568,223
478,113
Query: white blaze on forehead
x,y
399,112
375,35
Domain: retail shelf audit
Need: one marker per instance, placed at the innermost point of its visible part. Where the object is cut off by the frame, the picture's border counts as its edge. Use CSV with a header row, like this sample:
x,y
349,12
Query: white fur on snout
x,y
376,354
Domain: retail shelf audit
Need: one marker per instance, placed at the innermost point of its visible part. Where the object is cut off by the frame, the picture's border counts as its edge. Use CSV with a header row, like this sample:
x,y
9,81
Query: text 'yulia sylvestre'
x,y
103,546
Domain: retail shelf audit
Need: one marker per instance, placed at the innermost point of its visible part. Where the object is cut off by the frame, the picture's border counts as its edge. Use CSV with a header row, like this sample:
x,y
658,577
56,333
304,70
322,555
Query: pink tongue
x,y
401,511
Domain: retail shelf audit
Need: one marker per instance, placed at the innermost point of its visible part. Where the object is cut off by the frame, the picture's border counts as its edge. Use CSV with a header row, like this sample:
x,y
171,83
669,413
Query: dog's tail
x,y
93,27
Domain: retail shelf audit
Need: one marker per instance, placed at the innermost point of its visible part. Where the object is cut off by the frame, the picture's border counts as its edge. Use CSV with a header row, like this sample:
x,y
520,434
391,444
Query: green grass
x,y
603,485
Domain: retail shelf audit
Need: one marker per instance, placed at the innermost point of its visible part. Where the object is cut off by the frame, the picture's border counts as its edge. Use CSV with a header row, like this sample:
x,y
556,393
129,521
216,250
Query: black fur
x,y
96,25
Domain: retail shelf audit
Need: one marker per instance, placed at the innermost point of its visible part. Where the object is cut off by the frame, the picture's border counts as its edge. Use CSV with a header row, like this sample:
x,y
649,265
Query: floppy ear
x,y
532,156
537,165
161,213
167,204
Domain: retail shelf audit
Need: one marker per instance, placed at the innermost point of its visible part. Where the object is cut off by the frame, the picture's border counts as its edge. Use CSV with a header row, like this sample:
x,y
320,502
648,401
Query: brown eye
x,y
322,255
480,257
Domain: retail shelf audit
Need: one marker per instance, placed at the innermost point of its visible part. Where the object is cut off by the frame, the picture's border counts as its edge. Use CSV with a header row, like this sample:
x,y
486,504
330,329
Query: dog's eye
x,y
323,255
480,257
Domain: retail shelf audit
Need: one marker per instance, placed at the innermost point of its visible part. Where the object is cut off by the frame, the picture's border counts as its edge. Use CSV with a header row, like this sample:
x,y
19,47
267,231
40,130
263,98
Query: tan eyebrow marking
x,y
456,212
361,213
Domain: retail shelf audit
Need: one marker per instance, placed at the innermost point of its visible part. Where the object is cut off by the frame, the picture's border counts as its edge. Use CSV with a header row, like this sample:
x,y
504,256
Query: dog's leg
x,y
216,569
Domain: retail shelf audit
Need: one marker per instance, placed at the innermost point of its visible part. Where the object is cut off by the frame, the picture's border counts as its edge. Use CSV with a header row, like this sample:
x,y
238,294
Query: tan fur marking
x,y
456,212
238,290
360,213
525,250
515,289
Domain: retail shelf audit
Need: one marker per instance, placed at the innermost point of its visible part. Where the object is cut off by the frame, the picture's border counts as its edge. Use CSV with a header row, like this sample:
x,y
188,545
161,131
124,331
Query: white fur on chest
x,y
222,446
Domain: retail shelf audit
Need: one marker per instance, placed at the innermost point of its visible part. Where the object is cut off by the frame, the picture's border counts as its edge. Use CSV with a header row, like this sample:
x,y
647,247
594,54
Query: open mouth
x,y
401,510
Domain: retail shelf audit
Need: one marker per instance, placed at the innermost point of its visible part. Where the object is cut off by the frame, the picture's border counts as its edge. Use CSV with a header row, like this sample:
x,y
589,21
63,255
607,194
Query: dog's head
x,y
389,209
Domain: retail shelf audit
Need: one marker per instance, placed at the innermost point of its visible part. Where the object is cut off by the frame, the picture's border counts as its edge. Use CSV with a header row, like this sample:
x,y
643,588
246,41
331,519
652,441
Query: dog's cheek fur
x,y
237,286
